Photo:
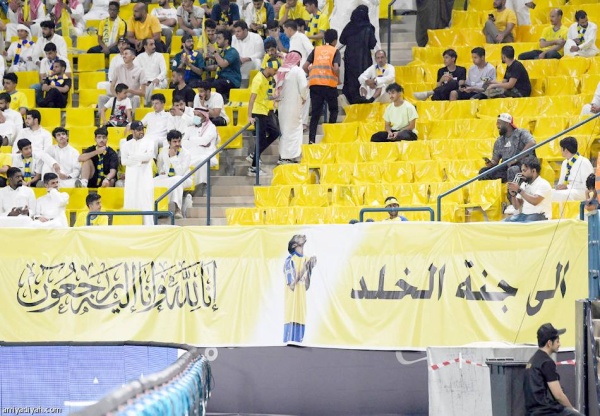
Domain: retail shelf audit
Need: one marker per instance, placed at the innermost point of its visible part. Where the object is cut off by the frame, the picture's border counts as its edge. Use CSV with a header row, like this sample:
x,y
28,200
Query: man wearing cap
x,y
111,29
542,389
298,272
392,202
511,141
136,155
20,52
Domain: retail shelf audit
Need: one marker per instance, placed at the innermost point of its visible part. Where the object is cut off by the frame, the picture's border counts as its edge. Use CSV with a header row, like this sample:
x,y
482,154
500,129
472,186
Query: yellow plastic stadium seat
x,y
372,195
115,134
225,132
409,75
537,87
548,126
485,194
315,155
541,68
366,173
367,130
466,19
230,111
176,44
397,172
51,117
363,112
430,72
565,210
416,193
340,132
5,160
83,117
86,42
140,112
446,149
461,170
168,93
591,128
470,36
529,33
242,117
594,65
90,62
76,202
81,137
279,216
425,55
89,97
163,205
589,82
127,219
437,188
443,37
428,171
479,5
550,151
414,151
244,216
573,66
354,153
310,196
239,97
339,174
311,215
382,152
342,215
346,195
26,79
477,149
112,198
272,196
491,108
90,80
561,85
92,23
292,174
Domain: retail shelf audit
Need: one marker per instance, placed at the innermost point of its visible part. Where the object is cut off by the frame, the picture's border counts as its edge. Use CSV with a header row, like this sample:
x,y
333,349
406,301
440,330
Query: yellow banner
x,y
372,285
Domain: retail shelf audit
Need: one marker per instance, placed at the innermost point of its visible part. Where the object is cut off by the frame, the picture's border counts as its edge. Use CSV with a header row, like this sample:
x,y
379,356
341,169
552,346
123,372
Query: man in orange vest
x,y
323,69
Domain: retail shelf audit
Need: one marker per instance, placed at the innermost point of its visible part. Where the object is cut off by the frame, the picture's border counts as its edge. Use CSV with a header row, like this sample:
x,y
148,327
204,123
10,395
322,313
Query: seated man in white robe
x,y
581,37
20,52
157,122
11,121
62,159
249,46
173,163
376,78
573,173
136,155
201,140
181,115
50,208
17,202
29,163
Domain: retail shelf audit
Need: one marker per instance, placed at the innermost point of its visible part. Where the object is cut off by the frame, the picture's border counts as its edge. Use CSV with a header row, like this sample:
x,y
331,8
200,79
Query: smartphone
x,y
491,16
487,160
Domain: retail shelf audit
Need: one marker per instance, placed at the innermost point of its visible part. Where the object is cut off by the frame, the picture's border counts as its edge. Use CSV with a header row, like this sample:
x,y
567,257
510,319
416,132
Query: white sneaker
x,y
421,96
250,158
343,101
252,172
188,201
510,210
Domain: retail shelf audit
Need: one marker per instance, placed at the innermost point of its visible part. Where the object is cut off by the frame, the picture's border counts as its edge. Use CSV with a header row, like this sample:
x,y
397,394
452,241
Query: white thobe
x,y
214,101
181,164
299,42
252,47
36,30
200,144
588,47
154,67
576,189
587,108
293,93
99,9
12,126
157,128
24,63
53,207
20,197
59,41
181,123
67,159
36,165
41,140
139,187
388,77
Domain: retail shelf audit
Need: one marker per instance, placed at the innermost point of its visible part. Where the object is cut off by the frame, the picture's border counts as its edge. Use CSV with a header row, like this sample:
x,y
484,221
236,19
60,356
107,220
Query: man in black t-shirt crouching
x,y
543,393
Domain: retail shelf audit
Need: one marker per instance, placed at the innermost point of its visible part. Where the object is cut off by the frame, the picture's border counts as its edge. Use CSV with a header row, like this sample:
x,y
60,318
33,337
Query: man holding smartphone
x,y
530,194
500,25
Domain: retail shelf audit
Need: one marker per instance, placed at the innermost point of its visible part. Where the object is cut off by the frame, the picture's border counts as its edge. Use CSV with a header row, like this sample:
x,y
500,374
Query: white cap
x,y
508,118
23,27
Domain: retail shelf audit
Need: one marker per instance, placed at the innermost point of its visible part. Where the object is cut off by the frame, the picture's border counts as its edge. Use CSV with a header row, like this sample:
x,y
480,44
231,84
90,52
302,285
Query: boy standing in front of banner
x,y
298,271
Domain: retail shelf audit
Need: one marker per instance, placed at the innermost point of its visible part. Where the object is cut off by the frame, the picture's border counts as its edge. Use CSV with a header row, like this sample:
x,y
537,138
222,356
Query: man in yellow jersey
x,y
298,272
260,108
323,69
291,10
318,23
18,99
552,41
500,25
94,204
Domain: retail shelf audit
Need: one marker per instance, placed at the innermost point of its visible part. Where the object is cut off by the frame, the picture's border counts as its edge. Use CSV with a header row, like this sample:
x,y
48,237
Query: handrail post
x,y
389,30
509,160
257,126
208,193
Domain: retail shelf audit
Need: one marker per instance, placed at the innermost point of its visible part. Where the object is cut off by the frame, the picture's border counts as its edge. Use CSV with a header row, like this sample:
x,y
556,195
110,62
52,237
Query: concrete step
x,y
232,180
235,200
215,212
201,221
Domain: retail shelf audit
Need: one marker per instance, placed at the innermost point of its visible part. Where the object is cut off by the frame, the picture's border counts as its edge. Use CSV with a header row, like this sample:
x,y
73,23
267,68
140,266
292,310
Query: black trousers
x,y
442,92
223,86
506,174
267,131
534,55
53,99
218,121
382,136
98,49
320,94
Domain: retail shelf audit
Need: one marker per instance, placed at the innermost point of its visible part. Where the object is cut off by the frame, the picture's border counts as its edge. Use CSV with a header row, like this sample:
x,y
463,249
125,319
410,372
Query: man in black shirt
x,y
56,86
99,163
543,393
449,78
180,88
516,81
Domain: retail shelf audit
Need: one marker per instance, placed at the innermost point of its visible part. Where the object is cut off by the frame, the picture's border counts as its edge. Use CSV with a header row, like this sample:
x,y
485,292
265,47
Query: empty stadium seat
x,y
83,117
412,151
89,97
428,171
91,62
340,132
347,196
318,154
381,152
272,196
339,174
310,196
292,174
50,117
84,43
561,85
354,153
244,216
225,132
397,172
112,198
366,173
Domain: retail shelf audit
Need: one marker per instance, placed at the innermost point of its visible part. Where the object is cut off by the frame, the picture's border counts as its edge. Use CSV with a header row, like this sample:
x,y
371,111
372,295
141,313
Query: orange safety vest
x,y
321,71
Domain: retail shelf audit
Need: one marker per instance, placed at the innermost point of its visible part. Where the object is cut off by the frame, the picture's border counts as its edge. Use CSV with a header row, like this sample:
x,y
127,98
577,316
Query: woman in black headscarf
x,y
359,38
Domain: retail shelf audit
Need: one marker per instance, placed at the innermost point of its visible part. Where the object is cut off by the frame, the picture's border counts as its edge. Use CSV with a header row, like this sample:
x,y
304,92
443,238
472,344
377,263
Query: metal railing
x,y
155,214
400,209
197,167
507,162
389,30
